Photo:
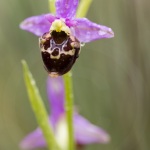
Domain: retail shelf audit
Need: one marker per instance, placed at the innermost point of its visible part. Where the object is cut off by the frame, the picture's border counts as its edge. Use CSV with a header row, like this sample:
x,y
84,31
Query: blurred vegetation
x,y
111,77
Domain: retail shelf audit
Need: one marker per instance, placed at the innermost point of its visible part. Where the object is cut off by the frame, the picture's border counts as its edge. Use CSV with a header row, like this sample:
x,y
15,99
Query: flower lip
x,y
59,52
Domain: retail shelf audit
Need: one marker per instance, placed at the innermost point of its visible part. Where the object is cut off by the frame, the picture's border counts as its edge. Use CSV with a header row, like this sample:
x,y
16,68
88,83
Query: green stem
x,y
82,11
52,6
83,8
69,108
39,108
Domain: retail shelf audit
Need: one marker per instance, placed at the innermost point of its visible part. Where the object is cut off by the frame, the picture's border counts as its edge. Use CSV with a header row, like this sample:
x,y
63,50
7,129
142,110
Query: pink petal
x,y
38,25
66,8
86,31
33,140
87,133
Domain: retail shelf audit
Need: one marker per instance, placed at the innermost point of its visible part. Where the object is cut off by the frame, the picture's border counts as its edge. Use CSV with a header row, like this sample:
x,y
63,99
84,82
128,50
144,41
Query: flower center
x,y
58,25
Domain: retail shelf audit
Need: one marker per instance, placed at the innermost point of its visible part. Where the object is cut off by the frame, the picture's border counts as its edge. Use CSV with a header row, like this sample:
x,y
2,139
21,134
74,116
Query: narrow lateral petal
x,y
55,92
38,25
87,133
66,8
33,140
86,31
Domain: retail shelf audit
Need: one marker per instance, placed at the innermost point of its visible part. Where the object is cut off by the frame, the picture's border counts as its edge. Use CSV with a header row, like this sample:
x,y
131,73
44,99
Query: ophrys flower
x,y
61,35
84,131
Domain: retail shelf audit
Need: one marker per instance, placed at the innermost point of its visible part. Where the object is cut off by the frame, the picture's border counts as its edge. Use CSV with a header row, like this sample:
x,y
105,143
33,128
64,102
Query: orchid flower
x,y
61,35
84,131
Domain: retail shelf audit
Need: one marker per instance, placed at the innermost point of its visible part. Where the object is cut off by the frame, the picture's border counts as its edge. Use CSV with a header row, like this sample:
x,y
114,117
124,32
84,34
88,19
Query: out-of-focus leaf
x,y
38,107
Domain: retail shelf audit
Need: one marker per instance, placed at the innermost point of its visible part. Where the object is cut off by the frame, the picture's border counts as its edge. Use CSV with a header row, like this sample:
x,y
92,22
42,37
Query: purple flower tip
x,y
87,133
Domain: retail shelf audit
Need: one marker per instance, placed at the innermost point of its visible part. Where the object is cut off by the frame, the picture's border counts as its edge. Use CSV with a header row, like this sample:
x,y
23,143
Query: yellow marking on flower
x,y
58,26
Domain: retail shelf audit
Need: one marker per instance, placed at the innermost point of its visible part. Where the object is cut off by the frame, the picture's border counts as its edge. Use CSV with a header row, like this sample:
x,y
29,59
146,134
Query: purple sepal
x,y
33,140
38,25
87,133
66,8
86,31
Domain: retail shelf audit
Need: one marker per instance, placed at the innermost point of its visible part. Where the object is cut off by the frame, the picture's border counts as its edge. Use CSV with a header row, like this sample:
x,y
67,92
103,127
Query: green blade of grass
x,y
39,108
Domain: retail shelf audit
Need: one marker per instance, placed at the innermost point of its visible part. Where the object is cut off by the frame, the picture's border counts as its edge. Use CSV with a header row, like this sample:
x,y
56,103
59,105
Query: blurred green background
x,y
111,77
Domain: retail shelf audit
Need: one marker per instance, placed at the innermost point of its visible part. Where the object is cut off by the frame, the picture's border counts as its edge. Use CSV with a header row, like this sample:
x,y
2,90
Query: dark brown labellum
x,y
59,52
